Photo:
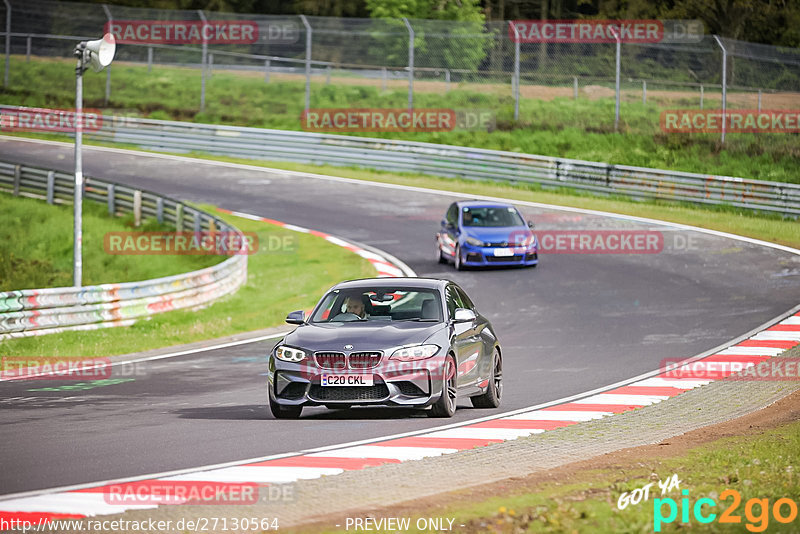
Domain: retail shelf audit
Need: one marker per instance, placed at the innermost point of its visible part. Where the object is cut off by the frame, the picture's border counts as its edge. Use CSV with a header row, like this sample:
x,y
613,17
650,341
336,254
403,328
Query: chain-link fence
x,y
401,63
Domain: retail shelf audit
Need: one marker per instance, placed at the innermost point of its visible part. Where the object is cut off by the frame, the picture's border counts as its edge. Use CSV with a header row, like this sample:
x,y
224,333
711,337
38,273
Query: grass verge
x,y
280,280
36,247
548,125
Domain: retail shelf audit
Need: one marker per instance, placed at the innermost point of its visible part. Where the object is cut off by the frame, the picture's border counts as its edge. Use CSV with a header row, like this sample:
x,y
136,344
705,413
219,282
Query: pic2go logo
x,y
757,511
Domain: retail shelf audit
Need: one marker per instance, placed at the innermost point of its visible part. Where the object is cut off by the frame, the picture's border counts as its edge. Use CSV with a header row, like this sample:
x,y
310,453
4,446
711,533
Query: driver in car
x,y
356,306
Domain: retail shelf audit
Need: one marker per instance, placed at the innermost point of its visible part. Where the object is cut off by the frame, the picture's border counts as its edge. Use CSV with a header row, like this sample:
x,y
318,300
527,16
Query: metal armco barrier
x,y
452,161
32,312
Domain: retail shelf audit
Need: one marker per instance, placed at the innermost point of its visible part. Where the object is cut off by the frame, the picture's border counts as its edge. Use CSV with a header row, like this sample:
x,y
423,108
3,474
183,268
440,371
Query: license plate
x,y
503,252
346,380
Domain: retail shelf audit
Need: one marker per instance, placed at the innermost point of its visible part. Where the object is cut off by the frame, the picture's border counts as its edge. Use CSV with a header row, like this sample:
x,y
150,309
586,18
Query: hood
x,y
499,234
363,336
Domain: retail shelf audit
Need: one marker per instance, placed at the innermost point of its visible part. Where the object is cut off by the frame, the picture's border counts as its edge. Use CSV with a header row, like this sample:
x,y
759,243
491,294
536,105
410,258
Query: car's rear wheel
x,y
494,390
284,412
457,259
446,405
439,256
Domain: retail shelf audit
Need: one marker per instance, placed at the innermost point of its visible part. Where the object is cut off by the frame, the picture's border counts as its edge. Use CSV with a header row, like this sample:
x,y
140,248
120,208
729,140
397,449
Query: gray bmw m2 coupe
x,y
412,342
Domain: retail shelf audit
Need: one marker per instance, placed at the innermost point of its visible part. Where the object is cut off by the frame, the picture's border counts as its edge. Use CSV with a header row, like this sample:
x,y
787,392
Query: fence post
x,y
8,41
759,100
644,91
28,46
308,61
724,86
178,217
266,71
112,199
149,59
515,79
383,78
328,75
17,177
108,68
575,88
197,222
618,38
137,208
701,96
203,60
51,186
447,80
411,38
210,65
160,209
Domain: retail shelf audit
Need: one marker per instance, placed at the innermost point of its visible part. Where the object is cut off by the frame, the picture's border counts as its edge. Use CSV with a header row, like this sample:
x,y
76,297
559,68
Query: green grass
x,y
36,247
757,466
278,281
581,129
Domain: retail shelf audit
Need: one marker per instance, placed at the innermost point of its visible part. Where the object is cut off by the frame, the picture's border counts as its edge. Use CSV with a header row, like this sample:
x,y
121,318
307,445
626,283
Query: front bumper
x,y
485,256
413,384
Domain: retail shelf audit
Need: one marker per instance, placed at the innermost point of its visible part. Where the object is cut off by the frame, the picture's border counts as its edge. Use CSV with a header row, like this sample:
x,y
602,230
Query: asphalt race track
x,y
575,323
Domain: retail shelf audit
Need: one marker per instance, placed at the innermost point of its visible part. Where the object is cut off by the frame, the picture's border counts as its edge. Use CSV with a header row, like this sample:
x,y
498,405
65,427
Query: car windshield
x,y
491,216
379,304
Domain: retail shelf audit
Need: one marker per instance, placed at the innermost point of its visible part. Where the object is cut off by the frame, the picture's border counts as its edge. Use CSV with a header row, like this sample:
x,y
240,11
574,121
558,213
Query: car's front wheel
x,y
284,412
439,256
457,259
494,390
446,405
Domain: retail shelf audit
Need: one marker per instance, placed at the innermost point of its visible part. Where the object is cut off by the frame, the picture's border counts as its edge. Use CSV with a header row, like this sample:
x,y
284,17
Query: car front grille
x,y
364,360
348,393
331,360
492,259
499,244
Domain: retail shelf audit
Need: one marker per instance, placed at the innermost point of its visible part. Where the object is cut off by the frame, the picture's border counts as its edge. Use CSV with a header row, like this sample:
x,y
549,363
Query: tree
x,y
460,45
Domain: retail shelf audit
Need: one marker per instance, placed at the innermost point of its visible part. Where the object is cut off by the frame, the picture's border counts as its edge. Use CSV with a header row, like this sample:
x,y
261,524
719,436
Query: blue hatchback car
x,y
480,233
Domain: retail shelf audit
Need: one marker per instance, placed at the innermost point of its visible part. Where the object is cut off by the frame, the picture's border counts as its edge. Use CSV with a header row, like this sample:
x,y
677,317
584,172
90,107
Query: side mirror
x,y
296,317
530,224
464,315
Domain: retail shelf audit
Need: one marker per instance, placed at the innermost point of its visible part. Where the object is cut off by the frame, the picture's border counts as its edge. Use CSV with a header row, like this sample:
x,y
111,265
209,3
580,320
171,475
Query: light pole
x,y
97,54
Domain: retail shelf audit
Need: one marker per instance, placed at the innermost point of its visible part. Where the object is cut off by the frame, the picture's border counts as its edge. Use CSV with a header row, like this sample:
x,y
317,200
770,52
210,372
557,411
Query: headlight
x,y
289,354
419,352
474,242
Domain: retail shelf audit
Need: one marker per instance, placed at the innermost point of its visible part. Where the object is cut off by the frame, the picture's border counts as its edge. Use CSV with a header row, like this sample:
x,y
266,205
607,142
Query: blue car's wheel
x,y
439,256
457,259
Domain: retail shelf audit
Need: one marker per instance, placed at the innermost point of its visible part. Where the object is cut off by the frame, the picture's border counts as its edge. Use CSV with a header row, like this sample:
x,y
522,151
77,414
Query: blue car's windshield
x,y
379,304
491,216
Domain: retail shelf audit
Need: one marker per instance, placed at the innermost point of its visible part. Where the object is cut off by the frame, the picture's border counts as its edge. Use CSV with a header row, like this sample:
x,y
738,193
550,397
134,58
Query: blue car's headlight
x,y
289,354
418,352
474,242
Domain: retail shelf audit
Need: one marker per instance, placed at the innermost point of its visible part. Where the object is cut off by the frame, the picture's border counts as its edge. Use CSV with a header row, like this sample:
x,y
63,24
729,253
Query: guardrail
x,y
32,312
453,161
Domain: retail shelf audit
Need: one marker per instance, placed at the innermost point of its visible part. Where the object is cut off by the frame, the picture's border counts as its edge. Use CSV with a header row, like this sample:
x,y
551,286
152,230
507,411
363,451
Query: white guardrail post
x,y
32,312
